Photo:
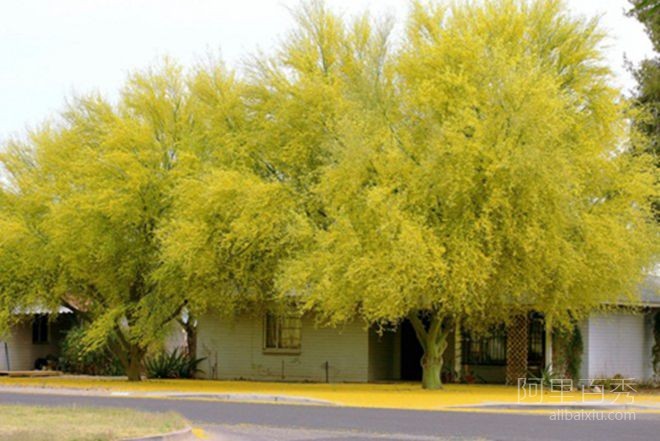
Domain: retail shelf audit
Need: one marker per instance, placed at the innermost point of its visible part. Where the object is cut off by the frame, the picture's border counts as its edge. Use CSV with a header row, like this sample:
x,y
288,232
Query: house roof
x,y
34,310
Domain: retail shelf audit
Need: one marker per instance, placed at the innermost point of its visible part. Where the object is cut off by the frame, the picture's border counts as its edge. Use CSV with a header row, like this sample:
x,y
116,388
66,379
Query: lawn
x,y
391,395
27,423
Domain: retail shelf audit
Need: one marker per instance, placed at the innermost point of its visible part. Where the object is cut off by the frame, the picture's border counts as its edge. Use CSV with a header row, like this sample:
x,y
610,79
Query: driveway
x,y
256,422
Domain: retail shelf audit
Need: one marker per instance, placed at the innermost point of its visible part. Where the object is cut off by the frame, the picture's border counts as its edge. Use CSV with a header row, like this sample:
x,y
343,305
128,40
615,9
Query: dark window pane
x,y
290,333
282,332
271,332
489,349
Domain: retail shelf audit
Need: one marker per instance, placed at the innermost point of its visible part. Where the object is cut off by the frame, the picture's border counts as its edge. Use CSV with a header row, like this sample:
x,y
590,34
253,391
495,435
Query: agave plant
x,y
545,376
175,364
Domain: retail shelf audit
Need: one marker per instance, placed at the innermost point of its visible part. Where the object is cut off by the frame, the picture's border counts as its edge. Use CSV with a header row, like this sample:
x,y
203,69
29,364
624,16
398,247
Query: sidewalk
x,y
458,397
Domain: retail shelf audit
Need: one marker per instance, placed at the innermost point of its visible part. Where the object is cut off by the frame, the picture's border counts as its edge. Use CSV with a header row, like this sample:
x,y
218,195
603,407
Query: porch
x,y
500,356
33,342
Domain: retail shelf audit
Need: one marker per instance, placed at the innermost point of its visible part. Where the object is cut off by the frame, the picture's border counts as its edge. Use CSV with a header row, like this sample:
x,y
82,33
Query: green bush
x,y
176,364
608,383
656,345
74,357
575,349
568,345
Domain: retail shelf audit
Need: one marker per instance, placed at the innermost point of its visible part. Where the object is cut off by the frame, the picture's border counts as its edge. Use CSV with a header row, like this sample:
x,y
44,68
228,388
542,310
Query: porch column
x,y
548,348
516,349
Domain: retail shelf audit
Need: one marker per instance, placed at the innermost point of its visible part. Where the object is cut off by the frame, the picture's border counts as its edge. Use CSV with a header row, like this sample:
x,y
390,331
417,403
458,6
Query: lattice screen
x,y
516,349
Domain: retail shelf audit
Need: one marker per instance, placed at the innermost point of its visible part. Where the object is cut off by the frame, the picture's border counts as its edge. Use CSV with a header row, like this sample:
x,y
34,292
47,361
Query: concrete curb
x,y
54,391
237,397
179,435
260,398
561,406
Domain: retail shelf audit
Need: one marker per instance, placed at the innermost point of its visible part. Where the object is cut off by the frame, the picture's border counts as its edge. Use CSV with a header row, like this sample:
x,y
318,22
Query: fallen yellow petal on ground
x,y
383,395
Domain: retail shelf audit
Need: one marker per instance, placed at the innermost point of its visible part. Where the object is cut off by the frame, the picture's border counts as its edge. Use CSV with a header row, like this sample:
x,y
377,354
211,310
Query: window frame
x,y
278,349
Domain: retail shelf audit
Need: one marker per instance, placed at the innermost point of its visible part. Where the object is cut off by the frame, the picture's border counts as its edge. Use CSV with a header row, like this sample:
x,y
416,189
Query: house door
x,y
411,354
536,344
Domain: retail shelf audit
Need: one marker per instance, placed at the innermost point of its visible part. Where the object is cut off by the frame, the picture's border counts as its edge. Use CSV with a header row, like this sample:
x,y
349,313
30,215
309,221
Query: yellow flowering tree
x,y
493,174
88,203
481,168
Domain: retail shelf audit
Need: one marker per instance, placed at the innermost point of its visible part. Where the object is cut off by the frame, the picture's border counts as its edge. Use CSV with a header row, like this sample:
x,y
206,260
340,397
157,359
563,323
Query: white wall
x,y
234,350
22,352
586,356
175,337
615,343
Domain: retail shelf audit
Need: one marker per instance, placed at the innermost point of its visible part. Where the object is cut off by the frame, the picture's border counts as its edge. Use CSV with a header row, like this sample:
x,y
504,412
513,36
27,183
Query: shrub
x,y
656,345
176,364
608,383
568,347
575,349
75,358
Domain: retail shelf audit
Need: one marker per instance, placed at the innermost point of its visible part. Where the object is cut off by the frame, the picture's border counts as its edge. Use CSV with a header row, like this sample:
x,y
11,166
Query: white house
x,y
269,347
294,349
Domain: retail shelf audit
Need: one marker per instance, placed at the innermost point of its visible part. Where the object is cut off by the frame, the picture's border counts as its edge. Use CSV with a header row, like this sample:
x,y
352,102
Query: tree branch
x,y
174,315
418,326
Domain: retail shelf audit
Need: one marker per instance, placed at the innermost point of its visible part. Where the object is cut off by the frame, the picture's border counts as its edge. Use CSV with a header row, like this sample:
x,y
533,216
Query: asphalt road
x,y
245,421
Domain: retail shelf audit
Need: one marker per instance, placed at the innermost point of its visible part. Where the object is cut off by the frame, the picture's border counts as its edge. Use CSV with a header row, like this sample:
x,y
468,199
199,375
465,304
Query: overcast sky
x,y
52,49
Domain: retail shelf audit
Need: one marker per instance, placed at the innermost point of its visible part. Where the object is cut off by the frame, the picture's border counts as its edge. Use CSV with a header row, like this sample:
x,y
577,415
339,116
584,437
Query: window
x,y
40,329
282,333
489,349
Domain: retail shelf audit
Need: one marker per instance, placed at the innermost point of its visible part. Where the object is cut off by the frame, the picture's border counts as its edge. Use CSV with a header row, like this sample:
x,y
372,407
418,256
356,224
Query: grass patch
x,y
30,423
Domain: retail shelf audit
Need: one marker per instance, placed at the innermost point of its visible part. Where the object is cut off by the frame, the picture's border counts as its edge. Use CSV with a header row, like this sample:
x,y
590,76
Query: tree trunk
x,y
133,371
434,342
134,365
431,369
130,355
190,327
